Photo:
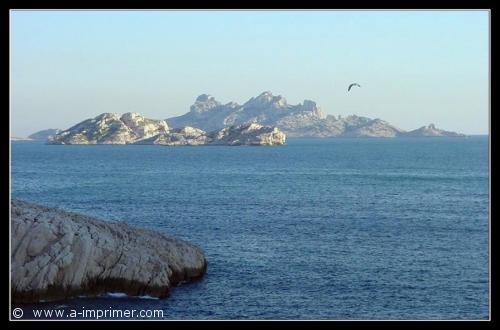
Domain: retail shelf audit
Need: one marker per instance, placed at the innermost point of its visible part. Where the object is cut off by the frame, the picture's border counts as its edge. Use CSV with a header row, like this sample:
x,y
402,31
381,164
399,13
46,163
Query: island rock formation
x,y
301,120
132,128
58,255
248,134
431,130
212,122
111,128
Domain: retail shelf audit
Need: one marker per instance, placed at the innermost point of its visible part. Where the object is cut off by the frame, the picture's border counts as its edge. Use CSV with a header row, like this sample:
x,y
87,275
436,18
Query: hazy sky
x,y
415,67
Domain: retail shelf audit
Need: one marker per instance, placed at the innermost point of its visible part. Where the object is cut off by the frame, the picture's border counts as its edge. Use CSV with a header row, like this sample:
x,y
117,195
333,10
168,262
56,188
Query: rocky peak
x,y
132,120
250,127
131,116
310,106
203,103
265,96
267,99
232,105
143,127
205,98
298,120
107,116
429,128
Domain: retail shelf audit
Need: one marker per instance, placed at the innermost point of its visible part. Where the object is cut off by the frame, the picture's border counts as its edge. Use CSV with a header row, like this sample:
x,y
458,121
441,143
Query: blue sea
x,y
315,229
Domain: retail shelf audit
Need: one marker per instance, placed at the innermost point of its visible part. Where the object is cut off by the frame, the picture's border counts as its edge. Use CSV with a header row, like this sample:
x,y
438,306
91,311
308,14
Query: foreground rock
x,y
299,120
57,255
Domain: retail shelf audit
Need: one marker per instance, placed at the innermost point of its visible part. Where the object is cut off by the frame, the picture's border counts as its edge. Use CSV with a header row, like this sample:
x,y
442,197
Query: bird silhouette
x,y
351,85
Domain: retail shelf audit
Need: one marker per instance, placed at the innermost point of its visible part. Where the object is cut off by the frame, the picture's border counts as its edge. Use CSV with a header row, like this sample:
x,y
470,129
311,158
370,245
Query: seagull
x,y
351,85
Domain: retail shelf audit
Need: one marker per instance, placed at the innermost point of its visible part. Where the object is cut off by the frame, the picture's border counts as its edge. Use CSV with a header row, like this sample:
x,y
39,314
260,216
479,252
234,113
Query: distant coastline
x,y
262,120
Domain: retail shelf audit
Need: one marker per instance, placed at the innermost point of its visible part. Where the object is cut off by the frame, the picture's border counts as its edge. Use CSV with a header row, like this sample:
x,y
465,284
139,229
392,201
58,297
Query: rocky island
x,y
58,255
431,130
301,120
133,128
263,120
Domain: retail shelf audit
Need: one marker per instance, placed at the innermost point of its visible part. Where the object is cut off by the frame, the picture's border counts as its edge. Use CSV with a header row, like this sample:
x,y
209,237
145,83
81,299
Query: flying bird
x,y
351,85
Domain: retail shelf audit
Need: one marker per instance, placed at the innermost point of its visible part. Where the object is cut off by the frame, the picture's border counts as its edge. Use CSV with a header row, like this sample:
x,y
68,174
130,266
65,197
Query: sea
x,y
317,229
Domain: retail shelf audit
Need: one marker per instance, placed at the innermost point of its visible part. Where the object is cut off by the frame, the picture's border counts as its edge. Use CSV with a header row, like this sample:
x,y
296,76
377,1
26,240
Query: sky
x,y
414,67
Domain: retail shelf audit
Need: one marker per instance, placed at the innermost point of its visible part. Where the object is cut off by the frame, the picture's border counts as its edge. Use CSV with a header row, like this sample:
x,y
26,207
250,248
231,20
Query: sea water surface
x,y
314,229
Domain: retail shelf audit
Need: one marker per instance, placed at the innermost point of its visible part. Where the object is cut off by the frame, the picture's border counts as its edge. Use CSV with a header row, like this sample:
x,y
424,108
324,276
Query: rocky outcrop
x,y
111,128
44,135
132,128
431,131
249,134
301,120
206,113
355,126
57,255
179,137
265,109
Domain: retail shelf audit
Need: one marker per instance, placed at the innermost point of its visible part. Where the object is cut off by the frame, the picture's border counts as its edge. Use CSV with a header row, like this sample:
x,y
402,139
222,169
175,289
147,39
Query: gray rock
x,y
57,255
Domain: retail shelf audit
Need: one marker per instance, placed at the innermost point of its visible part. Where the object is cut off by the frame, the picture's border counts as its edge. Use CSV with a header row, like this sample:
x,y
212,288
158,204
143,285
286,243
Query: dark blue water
x,y
315,229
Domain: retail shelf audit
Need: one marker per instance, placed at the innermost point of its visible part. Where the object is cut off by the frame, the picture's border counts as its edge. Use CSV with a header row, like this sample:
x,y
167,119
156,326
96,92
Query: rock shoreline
x,y
57,255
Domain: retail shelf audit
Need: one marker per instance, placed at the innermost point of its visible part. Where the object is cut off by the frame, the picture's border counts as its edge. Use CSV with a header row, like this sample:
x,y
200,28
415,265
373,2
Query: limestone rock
x,y
58,255
249,134
179,137
111,128
300,120
143,127
204,103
